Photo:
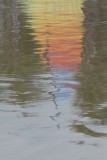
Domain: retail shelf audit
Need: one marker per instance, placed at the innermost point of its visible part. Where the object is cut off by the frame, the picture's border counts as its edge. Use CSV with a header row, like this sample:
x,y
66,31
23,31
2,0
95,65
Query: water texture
x,y
53,79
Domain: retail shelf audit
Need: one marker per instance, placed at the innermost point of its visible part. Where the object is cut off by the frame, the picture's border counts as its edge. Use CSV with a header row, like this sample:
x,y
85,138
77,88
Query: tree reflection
x,y
19,56
92,92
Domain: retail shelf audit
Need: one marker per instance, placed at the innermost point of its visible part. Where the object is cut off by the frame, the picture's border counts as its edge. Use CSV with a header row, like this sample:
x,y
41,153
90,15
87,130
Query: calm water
x,y
53,79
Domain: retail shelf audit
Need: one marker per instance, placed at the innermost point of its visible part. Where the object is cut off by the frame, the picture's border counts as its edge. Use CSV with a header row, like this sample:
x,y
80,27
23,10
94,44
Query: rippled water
x,y
53,79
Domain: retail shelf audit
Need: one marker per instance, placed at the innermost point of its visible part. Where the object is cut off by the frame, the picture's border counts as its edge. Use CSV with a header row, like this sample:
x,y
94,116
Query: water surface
x,y
53,74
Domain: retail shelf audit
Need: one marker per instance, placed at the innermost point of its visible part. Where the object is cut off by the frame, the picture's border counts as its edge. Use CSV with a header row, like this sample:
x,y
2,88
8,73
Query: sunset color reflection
x,y
57,26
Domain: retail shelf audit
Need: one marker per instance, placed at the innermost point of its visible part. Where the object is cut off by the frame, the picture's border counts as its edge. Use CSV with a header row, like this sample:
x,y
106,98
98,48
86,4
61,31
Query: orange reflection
x,y
58,28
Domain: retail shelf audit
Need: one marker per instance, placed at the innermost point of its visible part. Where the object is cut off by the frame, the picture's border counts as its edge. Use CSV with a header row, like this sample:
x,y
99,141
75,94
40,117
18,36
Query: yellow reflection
x,y
57,25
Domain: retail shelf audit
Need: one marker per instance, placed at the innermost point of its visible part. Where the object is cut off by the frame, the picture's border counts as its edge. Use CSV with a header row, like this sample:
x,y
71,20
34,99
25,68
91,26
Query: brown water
x,y
53,79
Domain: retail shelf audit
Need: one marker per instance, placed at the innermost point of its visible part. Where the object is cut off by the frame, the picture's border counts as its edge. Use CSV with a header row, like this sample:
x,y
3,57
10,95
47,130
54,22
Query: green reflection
x,y
81,128
92,92
19,57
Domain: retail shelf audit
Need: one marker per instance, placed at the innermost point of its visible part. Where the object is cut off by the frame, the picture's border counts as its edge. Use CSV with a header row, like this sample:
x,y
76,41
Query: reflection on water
x,y
40,49
92,91
53,78
19,67
58,28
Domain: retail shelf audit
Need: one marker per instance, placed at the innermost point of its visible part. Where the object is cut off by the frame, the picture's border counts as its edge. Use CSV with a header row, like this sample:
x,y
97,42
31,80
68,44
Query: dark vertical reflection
x,y
19,66
92,92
